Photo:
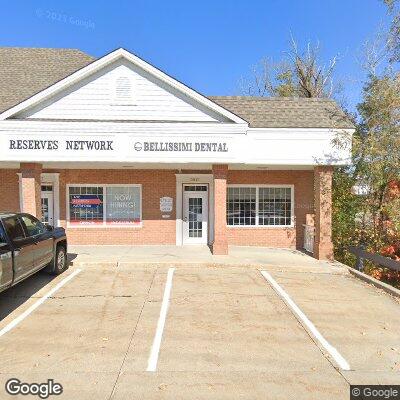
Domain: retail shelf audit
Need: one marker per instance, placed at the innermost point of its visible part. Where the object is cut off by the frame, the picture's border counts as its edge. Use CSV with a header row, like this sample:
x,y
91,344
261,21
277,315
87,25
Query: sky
x,y
210,45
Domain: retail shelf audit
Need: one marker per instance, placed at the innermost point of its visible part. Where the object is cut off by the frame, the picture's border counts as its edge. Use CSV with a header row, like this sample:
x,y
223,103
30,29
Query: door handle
x,y
185,219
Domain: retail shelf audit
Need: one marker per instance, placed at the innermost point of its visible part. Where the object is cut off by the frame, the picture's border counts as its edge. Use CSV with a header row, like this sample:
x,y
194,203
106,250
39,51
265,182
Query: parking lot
x,y
198,331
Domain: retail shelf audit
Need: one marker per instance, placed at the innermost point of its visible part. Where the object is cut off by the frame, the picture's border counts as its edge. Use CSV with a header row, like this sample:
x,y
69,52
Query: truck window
x,y
33,226
13,228
2,237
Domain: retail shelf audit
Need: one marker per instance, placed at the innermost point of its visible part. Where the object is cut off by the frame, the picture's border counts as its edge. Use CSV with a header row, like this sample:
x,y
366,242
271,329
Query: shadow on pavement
x,y
17,295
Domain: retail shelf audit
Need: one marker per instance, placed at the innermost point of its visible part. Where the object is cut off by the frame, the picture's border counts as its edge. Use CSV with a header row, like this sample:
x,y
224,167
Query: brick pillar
x,y
30,188
323,247
220,244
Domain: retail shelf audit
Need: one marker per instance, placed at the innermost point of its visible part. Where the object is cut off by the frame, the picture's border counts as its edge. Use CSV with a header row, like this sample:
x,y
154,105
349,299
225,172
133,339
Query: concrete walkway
x,y
191,255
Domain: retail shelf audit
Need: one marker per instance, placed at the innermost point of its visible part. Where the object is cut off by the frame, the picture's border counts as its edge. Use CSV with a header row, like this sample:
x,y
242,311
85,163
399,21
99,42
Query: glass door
x,y
47,205
195,214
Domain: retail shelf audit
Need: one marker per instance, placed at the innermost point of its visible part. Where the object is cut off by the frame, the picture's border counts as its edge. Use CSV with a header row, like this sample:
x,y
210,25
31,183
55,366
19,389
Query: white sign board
x,y
166,204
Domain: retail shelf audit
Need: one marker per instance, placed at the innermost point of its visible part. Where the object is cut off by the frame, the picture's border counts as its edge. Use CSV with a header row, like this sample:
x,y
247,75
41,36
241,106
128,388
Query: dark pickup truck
x,y
26,246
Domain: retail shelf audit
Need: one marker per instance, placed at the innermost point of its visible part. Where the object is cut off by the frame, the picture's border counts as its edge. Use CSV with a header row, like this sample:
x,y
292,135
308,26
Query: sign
x,y
166,204
122,205
182,147
66,145
120,148
85,201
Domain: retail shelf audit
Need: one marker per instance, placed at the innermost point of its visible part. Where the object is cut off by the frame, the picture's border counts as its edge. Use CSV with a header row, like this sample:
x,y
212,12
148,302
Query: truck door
x,y
42,237
6,268
23,247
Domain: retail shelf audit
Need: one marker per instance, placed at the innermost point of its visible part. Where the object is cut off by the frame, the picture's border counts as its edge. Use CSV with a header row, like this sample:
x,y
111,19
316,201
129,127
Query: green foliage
x,y
373,218
345,206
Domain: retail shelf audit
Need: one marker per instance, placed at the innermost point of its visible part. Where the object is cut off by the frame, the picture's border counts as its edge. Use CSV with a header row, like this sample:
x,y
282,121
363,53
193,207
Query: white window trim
x,y
103,225
257,225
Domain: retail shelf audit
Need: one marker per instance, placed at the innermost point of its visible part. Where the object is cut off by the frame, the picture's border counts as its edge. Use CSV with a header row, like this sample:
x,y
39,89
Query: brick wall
x,y
155,229
303,182
9,190
159,183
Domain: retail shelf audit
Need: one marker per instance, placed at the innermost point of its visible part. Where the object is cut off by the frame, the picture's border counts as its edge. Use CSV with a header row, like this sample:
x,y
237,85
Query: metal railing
x,y
309,234
378,259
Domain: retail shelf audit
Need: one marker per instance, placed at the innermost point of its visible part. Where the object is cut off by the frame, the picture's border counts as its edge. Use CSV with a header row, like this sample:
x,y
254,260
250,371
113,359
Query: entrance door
x,y
47,205
195,214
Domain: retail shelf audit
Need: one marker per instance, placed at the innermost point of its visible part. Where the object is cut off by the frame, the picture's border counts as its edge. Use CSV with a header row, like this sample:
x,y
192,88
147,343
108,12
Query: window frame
x,y
257,224
103,225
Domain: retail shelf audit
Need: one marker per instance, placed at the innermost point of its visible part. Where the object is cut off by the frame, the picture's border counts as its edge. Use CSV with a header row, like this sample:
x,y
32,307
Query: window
x,y
259,206
46,188
109,205
2,238
123,91
86,205
274,206
123,205
241,206
195,188
33,226
14,229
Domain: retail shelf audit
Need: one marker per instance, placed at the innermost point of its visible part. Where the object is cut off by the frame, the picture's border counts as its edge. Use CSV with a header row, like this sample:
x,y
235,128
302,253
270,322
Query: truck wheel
x,y
60,261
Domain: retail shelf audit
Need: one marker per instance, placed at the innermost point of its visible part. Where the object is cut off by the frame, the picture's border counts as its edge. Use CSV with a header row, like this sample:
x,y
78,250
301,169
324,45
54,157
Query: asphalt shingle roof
x,y
27,71
285,112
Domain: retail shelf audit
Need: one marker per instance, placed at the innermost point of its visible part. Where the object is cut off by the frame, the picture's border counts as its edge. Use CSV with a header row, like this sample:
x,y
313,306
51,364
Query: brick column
x,y
30,189
220,244
323,247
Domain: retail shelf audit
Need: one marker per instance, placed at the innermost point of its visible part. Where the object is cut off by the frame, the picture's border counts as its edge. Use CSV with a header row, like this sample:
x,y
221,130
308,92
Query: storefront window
x,y
241,206
259,206
104,205
274,206
86,205
122,205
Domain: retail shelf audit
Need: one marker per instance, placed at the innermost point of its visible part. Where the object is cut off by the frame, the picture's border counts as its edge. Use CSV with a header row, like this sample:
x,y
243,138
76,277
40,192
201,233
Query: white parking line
x,y
35,305
155,349
343,364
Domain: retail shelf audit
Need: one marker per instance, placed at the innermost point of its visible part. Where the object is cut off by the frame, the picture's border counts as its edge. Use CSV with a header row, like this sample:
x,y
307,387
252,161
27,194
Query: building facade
x,y
118,152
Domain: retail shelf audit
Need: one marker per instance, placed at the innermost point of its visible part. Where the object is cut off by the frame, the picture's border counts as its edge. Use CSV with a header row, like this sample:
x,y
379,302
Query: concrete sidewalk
x,y
192,255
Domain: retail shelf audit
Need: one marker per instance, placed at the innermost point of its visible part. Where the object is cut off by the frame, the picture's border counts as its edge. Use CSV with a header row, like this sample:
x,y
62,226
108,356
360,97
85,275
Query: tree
x,y
299,74
394,44
377,153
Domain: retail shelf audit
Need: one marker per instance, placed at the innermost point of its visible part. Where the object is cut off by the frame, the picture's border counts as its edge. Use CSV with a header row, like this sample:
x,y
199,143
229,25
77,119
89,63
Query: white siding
x,y
94,98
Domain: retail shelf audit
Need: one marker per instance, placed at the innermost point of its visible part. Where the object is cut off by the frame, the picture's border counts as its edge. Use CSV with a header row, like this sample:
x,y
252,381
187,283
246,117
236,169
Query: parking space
x,y
227,333
361,321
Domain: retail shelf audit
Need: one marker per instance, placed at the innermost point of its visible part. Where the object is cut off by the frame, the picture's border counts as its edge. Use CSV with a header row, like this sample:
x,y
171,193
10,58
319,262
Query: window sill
x,y
99,226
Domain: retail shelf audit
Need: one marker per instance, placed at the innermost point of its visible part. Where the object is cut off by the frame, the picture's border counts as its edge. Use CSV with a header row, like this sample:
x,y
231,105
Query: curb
x,y
369,279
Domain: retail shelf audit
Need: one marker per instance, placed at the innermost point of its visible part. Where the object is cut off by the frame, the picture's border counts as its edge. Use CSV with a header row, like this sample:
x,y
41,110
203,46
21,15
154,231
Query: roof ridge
x,y
272,98
40,48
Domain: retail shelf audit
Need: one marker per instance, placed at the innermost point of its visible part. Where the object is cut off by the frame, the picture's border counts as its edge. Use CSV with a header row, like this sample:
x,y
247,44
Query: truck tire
x,y
60,263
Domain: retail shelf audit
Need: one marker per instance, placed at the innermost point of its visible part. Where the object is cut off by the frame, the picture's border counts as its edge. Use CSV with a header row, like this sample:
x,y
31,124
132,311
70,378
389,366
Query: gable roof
x,y
106,60
27,71
286,112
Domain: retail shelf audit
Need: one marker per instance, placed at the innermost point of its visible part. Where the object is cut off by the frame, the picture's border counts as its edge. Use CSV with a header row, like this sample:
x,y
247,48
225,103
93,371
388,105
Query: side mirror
x,y
49,228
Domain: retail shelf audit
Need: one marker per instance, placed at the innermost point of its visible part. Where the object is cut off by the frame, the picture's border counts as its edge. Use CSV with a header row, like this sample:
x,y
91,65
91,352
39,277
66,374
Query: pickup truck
x,y
26,246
